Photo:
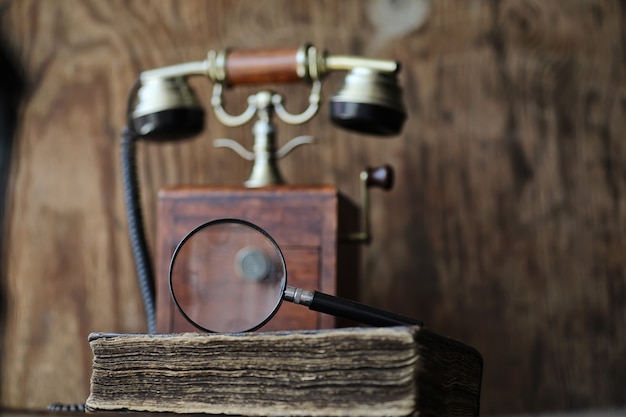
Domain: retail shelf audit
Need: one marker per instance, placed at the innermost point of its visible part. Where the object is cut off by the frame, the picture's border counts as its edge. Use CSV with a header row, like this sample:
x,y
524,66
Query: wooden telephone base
x,y
305,222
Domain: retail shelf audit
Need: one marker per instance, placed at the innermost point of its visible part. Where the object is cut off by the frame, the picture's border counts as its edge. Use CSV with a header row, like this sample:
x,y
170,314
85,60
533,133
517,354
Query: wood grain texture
x,y
506,228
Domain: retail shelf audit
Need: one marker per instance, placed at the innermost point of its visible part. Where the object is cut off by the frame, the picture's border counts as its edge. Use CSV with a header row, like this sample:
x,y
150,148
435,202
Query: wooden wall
x,y
506,228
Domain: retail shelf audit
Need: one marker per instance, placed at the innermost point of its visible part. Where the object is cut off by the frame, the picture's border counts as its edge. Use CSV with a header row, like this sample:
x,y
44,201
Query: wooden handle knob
x,y
381,177
262,66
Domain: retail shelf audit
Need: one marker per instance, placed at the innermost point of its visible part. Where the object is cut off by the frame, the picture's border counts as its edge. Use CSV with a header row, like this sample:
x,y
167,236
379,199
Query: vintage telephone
x,y
163,107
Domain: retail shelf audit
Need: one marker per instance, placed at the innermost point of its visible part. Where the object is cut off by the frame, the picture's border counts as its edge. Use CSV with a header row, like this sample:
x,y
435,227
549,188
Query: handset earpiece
x,y
369,101
166,109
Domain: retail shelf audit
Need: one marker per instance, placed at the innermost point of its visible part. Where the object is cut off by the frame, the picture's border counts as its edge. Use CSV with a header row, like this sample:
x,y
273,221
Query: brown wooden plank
x,y
506,228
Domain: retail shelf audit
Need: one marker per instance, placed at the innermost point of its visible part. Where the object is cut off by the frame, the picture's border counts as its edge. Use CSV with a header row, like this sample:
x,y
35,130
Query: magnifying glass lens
x,y
228,276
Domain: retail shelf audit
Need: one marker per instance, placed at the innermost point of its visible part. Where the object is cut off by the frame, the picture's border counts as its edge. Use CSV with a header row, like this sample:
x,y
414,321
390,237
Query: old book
x,y
394,371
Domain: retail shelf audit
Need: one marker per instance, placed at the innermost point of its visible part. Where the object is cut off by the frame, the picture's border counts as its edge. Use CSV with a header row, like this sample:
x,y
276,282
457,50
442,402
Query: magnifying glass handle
x,y
347,309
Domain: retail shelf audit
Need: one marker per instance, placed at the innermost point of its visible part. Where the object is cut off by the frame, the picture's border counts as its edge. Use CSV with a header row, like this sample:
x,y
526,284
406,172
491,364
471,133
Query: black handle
x,y
361,313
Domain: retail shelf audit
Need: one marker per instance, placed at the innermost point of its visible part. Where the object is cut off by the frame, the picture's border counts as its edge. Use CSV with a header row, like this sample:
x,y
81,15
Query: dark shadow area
x,y
12,86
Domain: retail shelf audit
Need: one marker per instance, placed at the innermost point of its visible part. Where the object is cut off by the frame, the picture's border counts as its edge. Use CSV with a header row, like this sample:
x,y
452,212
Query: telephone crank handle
x,y
347,309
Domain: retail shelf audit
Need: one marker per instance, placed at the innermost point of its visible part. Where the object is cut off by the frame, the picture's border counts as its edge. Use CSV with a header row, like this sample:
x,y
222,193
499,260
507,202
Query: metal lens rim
x,y
227,221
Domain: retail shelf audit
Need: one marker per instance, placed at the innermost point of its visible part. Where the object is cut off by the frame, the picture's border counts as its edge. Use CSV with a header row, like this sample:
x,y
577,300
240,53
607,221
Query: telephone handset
x,y
370,100
163,107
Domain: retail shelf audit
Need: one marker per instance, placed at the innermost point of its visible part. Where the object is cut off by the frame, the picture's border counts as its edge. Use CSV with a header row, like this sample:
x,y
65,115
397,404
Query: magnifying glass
x,y
230,276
